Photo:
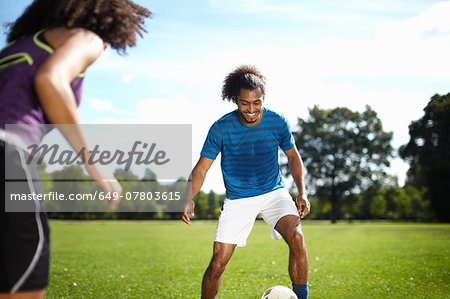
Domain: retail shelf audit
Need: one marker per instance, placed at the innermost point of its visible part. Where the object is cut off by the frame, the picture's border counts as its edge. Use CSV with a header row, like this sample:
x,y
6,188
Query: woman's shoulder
x,y
59,35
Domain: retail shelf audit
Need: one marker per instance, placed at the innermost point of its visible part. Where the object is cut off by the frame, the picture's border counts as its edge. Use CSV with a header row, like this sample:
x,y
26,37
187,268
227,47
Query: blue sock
x,y
301,290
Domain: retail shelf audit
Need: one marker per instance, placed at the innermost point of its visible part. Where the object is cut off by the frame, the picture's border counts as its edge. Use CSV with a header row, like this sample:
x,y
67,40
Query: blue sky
x,y
391,55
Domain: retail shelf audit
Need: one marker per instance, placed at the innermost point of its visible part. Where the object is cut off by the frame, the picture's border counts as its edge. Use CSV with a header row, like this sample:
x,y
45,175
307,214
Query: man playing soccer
x,y
248,139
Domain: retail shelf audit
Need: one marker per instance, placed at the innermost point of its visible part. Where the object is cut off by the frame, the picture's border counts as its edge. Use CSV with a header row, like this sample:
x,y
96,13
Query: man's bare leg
x,y
212,278
290,228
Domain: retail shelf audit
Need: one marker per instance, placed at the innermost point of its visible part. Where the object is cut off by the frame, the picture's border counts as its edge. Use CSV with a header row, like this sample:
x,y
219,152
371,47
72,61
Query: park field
x,y
166,259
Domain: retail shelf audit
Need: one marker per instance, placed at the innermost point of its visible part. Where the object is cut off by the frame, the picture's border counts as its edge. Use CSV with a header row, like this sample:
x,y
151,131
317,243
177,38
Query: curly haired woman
x,y
41,74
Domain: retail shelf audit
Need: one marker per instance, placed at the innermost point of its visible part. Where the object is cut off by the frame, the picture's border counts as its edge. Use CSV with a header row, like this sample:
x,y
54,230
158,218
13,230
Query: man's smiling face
x,y
250,106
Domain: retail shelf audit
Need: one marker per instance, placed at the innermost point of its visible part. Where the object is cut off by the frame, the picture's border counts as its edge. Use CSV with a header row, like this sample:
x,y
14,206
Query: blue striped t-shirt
x,y
249,154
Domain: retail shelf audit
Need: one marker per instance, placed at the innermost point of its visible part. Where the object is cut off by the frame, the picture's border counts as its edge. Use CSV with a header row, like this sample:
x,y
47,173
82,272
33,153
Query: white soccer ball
x,y
279,292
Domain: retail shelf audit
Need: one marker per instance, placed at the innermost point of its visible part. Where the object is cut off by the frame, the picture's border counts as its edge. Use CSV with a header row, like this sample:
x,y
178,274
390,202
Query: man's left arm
x,y
298,174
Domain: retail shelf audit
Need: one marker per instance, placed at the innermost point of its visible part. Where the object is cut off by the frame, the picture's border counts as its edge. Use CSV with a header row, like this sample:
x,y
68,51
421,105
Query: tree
x,y
213,210
72,181
428,154
343,151
45,177
201,205
378,207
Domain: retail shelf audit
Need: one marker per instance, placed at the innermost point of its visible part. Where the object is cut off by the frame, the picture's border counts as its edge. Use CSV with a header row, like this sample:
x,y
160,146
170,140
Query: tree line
x,y
346,154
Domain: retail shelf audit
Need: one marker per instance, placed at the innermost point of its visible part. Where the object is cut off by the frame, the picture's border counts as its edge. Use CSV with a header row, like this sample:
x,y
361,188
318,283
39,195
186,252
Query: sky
x,y
390,55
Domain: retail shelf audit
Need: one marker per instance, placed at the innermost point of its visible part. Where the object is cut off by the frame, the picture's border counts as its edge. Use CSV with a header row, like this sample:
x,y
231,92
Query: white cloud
x,y
430,24
127,78
248,6
395,107
113,121
415,48
108,108
100,105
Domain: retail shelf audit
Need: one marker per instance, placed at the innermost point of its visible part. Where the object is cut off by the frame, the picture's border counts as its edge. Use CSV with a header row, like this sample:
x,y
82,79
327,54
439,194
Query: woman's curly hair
x,y
116,21
243,77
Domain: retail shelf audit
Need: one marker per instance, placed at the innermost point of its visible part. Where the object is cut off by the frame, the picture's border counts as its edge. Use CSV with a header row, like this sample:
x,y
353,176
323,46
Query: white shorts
x,y
238,215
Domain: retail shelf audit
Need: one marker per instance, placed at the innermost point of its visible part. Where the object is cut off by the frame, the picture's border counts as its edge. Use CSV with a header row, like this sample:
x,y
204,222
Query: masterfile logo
x,y
151,163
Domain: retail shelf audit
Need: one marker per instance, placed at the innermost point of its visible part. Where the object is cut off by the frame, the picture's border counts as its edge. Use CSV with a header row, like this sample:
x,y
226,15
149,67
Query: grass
x,y
166,259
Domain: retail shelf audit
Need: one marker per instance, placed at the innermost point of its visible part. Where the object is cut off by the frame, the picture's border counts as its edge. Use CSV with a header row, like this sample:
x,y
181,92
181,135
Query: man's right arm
x,y
194,185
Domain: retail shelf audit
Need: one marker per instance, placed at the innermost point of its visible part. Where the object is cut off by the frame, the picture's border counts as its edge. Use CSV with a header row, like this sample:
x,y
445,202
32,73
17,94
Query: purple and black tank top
x,y
19,104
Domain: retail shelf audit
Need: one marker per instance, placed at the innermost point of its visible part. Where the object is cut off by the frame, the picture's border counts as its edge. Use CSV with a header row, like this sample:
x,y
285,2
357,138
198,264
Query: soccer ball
x,y
279,292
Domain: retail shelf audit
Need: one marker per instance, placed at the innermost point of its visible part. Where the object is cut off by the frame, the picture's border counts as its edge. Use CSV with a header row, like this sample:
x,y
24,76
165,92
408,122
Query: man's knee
x,y
296,240
217,266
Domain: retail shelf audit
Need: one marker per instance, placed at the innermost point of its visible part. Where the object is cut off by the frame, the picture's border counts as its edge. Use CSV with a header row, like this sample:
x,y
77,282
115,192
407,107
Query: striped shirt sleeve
x,y
213,143
286,140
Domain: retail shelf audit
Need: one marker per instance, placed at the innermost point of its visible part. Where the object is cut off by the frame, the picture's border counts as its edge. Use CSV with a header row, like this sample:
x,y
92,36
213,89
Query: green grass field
x,y
166,259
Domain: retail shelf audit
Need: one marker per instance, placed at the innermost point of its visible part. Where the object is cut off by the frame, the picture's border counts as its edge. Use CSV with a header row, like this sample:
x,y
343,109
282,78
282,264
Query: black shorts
x,y
24,236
